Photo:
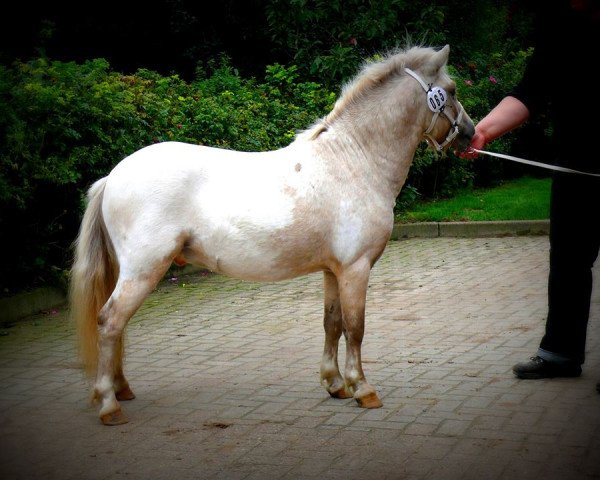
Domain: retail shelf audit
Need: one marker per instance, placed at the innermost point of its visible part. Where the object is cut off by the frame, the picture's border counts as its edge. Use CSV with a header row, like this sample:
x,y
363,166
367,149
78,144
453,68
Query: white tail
x,y
93,277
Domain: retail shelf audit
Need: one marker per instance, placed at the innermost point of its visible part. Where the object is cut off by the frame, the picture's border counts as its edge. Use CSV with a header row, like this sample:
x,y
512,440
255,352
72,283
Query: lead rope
x,y
535,164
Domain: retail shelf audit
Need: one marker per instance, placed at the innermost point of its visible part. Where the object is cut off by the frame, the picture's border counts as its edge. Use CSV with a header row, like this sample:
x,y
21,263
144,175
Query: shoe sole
x,y
537,376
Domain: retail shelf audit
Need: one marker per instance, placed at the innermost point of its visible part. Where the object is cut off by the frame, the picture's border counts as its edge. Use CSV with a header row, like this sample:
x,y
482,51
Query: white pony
x,y
323,203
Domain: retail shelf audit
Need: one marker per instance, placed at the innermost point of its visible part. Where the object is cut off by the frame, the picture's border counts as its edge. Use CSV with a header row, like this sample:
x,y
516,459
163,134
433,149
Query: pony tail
x,y
93,276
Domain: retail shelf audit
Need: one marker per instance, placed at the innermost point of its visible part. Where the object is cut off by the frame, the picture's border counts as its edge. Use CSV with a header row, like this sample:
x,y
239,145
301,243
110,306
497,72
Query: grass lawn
x,y
522,199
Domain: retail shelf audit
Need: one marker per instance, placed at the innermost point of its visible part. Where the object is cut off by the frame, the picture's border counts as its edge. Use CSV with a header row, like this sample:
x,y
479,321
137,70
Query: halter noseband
x,y
436,100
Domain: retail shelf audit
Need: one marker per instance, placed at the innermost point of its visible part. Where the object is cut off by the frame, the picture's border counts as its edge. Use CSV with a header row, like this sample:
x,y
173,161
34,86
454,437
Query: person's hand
x,y
477,142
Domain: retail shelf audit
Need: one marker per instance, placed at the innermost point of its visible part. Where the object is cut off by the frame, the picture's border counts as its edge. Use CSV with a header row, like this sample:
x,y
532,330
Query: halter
x,y
436,101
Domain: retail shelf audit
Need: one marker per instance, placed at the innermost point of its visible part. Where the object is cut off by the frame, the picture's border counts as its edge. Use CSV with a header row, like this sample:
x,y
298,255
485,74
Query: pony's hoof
x,y
125,394
114,418
370,400
341,393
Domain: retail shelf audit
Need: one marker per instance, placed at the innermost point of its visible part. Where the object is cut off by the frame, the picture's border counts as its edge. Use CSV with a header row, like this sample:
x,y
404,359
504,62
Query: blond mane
x,y
373,74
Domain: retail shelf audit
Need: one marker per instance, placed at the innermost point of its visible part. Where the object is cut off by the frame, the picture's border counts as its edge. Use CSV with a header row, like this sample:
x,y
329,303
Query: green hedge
x,y
63,125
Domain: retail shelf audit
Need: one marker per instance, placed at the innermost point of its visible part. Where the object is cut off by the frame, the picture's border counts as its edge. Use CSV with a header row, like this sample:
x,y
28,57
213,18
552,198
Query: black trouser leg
x,y
574,244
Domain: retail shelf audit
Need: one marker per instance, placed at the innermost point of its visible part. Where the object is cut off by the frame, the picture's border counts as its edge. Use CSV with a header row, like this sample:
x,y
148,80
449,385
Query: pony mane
x,y
371,75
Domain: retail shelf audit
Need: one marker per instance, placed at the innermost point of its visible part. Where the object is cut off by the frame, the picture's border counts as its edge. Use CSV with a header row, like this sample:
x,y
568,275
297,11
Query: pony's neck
x,y
378,144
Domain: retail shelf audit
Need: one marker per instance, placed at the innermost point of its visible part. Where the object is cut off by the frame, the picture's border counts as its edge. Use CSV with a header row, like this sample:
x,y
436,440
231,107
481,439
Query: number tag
x,y
436,99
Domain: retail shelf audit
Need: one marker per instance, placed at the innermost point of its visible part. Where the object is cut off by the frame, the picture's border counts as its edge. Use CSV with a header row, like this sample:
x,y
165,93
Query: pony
x,y
323,203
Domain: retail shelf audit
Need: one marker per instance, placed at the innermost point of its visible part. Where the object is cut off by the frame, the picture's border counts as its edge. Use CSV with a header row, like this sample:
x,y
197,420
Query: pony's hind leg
x,y
110,382
353,283
123,391
331,378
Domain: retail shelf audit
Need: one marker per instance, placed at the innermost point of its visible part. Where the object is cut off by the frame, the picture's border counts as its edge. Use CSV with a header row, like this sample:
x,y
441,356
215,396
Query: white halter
x,y
436,100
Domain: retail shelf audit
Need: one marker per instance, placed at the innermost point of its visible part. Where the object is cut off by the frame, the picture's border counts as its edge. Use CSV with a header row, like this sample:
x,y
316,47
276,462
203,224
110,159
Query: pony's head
x,y
446,123
407,90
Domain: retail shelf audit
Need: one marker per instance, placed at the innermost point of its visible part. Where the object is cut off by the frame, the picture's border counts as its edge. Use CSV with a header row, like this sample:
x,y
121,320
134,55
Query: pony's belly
x,y
254,264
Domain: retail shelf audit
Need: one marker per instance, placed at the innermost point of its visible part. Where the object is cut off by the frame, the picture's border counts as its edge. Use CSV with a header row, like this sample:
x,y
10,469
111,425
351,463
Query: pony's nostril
x,y
470,131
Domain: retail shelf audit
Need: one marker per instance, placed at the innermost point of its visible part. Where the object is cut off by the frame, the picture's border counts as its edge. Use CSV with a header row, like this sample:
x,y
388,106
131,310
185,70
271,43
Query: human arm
x,y
509,114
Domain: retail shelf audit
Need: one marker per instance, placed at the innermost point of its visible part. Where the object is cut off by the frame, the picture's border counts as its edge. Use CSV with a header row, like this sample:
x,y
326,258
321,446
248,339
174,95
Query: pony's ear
x,y
440,58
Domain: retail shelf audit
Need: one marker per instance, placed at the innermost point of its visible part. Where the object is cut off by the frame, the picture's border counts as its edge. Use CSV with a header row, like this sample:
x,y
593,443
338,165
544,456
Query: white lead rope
x,y
536,164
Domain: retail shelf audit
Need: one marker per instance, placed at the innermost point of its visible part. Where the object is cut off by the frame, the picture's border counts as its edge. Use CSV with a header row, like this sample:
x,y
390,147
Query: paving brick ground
x,y
226,375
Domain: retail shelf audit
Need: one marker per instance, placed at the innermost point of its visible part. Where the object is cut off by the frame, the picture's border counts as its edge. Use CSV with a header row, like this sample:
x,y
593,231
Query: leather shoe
x,y
537,368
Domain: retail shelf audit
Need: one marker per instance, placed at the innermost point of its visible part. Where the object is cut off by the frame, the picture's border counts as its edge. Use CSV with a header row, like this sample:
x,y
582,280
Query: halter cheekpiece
x,y
436,101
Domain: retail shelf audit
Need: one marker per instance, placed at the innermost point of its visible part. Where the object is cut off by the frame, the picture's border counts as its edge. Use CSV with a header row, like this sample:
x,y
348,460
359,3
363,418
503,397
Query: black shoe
x,y
598,387
537,367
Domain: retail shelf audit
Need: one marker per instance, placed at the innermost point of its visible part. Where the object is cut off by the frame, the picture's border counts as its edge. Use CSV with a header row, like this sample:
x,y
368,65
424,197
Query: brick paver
x,y
227,380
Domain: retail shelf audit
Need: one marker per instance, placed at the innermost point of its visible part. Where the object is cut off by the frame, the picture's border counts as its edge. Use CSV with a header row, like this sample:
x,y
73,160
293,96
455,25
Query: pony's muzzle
x,y
465,133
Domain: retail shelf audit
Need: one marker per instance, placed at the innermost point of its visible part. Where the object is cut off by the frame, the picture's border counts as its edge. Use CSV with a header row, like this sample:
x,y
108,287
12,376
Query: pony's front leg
x,y
331,378
353,283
